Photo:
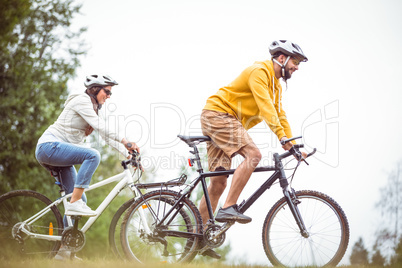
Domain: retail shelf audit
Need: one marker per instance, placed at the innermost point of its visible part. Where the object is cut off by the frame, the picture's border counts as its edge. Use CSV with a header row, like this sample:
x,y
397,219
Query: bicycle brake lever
x,y
310,154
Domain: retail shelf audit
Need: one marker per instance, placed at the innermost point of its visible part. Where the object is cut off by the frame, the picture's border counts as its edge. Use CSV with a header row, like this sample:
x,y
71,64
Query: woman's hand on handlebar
x,y
131,146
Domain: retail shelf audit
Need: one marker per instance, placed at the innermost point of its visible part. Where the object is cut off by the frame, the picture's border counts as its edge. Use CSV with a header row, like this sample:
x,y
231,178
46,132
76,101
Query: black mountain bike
x,y
304,228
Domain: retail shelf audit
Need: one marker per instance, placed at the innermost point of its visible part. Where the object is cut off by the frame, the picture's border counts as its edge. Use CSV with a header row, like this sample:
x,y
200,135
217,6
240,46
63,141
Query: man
x,y
255,95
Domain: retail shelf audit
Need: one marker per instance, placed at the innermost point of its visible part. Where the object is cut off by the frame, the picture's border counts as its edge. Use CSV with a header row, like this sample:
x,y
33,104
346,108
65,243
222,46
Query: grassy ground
x,y
107,263
104,263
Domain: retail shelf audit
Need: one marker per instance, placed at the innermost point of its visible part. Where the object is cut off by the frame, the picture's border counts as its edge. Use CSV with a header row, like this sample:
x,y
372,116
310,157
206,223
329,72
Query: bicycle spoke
x,y
16,207
325,223
144,236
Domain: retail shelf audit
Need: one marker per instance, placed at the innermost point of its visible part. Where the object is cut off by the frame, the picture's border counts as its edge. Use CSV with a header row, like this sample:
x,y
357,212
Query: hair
x,y
277,54
94,90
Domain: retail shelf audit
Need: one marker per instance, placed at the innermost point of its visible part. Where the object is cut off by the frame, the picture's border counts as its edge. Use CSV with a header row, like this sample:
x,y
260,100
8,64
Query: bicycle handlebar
x,y
295,150
291,139
135,158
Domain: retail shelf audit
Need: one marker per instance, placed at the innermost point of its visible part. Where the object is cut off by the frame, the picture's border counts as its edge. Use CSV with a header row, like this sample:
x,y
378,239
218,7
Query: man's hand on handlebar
x,y
287,145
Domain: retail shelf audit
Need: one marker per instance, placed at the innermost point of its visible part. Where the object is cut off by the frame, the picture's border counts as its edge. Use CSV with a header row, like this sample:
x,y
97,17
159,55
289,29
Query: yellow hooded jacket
x,y
255,95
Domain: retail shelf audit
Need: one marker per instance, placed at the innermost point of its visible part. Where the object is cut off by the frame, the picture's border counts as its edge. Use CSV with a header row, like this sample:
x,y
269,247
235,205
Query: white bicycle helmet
x,y
99,80
288,48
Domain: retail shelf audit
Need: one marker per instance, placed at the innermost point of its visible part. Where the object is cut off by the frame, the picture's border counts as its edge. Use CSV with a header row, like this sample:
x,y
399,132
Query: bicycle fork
x,y
292,201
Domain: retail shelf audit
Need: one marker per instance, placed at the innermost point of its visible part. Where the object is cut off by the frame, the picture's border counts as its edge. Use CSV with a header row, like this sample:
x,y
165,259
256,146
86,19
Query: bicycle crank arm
x,y
224,228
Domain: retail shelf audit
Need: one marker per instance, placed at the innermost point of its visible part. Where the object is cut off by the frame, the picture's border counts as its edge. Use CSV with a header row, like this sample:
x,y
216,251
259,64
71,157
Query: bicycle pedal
x,y
205,248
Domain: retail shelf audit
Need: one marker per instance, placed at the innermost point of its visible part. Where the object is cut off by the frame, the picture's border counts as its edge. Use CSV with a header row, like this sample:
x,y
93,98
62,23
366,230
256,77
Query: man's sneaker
x,y
231,213
65,255
79,208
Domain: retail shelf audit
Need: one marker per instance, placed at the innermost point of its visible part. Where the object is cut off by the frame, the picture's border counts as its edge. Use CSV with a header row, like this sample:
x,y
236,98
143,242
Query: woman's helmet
x,y
288,48
99,80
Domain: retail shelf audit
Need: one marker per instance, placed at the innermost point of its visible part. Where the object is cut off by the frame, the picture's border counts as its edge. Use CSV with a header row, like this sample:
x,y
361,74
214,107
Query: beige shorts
x,y
228,137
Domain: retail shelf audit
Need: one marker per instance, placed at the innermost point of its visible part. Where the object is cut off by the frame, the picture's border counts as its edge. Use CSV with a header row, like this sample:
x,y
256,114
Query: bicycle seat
x,y
191,139
56,173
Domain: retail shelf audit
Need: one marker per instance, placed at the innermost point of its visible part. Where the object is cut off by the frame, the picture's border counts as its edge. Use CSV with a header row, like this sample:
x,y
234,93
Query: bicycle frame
x,y
124,179
278,174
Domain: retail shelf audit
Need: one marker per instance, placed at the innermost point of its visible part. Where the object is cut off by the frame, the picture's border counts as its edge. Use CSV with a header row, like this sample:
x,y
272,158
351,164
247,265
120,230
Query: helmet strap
x,y
94,100
282,65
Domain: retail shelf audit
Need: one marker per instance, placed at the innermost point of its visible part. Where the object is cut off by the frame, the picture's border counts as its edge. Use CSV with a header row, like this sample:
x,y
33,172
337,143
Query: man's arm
x,y
259,85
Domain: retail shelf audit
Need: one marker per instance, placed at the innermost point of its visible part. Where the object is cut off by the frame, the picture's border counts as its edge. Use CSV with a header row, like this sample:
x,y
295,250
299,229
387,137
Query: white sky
x,y
169,56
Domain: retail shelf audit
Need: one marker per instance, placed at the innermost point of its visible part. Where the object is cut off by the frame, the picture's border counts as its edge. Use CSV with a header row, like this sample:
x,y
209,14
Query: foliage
x,y
359,254
377,259
38,55
391,201
396,260
390,205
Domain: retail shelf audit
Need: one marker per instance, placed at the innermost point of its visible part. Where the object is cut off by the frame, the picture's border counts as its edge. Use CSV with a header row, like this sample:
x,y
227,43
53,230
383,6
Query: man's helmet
x,y
288,48
99,80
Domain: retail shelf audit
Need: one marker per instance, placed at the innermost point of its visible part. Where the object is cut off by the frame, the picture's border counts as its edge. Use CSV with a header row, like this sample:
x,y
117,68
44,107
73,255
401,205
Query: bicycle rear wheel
x,y
326,224
16,207
156,244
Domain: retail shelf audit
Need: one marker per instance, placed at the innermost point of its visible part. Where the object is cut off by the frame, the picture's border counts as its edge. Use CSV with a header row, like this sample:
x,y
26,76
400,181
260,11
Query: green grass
x,y
105,263
112,263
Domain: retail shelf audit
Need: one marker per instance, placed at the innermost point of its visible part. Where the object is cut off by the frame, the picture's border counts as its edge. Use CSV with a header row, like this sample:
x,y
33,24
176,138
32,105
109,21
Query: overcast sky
x,y
169,56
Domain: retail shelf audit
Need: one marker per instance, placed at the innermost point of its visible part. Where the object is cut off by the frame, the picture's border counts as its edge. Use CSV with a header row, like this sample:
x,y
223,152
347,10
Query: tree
x,y
38,55
391,201
377,259
359,254
396,260
390,205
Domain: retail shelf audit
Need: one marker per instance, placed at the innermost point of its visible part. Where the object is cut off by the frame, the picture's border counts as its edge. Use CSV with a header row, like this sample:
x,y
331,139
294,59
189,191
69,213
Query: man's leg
x,y
230,211
215,189
252,157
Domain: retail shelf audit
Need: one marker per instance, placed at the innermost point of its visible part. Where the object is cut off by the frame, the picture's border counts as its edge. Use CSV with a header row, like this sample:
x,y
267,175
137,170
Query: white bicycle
x,y
30,223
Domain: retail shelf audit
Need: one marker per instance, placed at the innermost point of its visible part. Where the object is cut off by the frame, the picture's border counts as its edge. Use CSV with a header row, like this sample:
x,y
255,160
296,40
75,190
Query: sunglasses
x,y
108,92
295,61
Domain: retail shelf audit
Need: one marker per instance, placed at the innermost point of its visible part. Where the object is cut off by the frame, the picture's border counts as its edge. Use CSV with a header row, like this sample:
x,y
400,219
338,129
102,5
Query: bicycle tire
x,y
144,248
115,225
17,206
326,223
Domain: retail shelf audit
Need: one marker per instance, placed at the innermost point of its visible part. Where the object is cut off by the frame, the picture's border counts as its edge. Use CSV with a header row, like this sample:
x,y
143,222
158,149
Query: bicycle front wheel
x,y
327,226
145,239
15,208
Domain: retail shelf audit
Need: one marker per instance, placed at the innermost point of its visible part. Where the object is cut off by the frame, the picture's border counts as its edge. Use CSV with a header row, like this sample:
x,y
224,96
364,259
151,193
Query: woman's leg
x,y
63,154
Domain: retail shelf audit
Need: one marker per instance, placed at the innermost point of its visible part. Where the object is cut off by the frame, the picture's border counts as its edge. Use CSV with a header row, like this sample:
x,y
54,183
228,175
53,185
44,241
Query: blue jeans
x,y
66,155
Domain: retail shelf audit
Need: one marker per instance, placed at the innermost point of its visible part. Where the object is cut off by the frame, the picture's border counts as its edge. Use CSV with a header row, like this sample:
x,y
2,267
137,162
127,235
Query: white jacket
x,y
77,115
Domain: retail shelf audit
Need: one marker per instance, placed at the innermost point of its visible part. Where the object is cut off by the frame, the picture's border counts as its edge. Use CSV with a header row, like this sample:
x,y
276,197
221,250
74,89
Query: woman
x,y
61,144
